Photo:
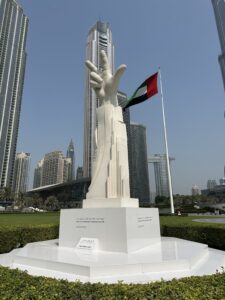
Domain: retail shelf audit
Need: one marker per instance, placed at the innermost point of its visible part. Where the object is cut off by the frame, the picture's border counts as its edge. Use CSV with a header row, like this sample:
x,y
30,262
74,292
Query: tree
x,y
161,200
20,201
51,203
34,202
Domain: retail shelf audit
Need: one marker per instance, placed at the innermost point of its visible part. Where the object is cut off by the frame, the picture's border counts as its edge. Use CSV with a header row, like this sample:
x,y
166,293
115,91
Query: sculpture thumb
x,y
118,74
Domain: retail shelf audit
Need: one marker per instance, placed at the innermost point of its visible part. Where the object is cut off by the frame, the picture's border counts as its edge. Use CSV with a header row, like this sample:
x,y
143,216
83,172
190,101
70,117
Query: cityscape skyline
x,y
51,96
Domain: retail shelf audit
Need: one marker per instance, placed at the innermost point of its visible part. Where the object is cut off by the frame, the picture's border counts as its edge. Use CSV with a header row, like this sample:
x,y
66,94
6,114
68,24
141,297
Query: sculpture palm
x,y
104,83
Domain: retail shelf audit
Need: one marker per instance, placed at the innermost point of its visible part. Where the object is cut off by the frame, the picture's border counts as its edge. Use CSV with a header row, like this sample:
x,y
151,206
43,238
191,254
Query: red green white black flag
x,y
146,90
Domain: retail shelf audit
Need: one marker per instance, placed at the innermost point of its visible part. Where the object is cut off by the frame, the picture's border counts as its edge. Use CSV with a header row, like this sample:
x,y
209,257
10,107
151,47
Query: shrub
x,y
15,284
13,237
213,236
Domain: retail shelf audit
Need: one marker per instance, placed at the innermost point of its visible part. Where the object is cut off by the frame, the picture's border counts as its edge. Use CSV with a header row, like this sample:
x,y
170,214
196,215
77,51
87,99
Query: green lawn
x,y
180,220
53,218
29,219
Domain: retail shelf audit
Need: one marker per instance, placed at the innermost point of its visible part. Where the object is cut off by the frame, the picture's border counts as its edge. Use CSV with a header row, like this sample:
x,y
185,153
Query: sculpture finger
x,y
95,84
91,66
94,76
118,74
104,59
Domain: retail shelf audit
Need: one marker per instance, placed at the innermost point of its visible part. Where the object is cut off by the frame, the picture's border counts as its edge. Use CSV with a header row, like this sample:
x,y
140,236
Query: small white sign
x,y
88,244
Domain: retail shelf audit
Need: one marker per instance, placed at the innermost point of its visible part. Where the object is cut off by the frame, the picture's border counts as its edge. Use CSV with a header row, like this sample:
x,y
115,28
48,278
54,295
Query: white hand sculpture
x,y
105,84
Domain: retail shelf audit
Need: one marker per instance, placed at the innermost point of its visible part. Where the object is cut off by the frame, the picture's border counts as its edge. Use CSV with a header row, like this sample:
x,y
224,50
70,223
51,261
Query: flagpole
x,y
166,145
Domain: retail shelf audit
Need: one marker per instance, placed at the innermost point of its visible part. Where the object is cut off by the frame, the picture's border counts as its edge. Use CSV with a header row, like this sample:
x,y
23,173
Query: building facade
x,y
69,194
38,174
161,174
195,190
70,154
67,169
219,11
54,168
99,38
139,178
211,183
21,173
13,32
80,173
222,181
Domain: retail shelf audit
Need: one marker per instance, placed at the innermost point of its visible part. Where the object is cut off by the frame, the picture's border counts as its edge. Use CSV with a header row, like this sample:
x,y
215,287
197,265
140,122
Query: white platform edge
x,y
207,264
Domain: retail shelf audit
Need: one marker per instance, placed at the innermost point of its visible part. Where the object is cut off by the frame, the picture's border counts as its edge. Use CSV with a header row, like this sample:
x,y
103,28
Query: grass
x,y
188,221
29,219
53,218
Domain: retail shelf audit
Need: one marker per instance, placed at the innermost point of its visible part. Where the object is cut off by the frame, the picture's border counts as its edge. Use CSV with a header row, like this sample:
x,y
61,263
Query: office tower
x,y
139,179
195,191
70,154
161,174
222,181
67,169
52,169
79,173
99,38
21,170
211,183
13,31
219,11
38,174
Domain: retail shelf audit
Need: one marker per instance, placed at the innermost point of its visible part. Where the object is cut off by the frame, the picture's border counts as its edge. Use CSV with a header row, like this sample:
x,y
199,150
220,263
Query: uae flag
x,y
146,90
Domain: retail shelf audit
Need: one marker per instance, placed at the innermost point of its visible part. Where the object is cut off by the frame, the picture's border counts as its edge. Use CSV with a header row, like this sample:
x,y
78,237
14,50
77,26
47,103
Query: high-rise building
x,y
79,173
211,183
195,191
222,181
70,154
161,174
54,168
13,32
67,169
21,172
38,174
219,11
99,38
139,179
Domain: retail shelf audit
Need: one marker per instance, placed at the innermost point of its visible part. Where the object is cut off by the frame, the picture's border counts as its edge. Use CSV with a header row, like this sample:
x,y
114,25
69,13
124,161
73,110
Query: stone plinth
x,y
116,229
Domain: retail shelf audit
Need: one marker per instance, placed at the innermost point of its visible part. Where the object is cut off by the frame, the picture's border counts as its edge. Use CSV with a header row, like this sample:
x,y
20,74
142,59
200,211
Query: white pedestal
x,y
116,229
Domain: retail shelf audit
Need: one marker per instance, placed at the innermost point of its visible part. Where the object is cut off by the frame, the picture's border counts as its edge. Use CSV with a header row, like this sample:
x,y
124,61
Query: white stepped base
x,y
171,258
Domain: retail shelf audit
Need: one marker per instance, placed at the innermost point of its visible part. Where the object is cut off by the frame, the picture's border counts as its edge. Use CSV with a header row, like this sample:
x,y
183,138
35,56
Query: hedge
x,y
13,237
15,284
17,236
213,236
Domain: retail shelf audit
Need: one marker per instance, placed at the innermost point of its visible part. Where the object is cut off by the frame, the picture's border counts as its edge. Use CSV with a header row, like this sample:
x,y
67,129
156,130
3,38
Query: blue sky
x,y
178,35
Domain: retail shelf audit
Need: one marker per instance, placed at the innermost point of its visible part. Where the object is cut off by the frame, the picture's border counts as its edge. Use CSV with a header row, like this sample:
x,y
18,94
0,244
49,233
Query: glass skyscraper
x,y
161,174
21,173
70,154
219,10
13,32
139,179
99,38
